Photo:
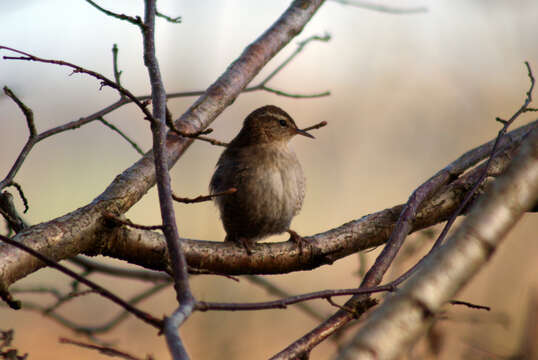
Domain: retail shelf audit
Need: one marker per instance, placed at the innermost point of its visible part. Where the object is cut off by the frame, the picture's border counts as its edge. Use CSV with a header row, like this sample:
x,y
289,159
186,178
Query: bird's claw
x,y
246,245
297,239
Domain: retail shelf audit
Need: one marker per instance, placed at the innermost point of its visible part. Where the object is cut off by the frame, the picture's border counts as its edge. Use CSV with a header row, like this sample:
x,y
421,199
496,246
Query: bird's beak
x,y
304,133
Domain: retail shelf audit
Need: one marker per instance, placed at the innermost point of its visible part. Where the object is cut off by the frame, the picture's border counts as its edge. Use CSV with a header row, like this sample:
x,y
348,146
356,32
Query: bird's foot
x,y
297,239
246,245
241,241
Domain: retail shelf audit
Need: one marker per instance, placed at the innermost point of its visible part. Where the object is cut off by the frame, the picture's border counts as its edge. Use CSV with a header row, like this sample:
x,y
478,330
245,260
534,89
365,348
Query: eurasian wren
x,y
267,175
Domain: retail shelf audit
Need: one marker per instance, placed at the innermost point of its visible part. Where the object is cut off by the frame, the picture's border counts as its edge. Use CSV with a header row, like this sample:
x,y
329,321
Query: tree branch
x,y
75,124
202,198
452,266
78,69
323,248
383,8
147,248
91,266
374,276
100,290
81,230
28,113
122,134
106,350
89,330
178,262
471,193
135,20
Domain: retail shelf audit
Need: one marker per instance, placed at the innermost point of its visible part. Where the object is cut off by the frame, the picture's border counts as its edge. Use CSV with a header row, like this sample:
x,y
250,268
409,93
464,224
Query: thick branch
x,y
80,230
75,124
402,318
102,291
374,275
324,248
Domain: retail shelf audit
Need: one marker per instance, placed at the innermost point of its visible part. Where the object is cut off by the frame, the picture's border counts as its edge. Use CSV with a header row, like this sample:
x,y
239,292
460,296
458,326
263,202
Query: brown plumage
x,y
267,175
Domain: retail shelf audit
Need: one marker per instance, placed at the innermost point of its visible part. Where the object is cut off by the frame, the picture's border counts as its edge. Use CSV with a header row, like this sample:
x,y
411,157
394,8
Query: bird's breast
x,y
280,179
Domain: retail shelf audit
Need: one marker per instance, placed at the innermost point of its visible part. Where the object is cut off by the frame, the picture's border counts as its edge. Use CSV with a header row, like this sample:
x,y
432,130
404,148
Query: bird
x,y
267,176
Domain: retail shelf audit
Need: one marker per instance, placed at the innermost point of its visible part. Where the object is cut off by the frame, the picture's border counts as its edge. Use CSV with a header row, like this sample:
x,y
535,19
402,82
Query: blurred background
x,y
409,94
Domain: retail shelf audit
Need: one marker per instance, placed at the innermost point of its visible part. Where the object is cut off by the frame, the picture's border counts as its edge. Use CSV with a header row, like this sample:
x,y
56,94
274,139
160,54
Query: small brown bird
x,y
267,175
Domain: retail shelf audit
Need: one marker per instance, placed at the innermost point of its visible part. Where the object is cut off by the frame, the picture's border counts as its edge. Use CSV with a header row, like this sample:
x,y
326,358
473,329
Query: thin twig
x,y
135,20
122,134
401,320
68,297
202,198
300,47
383,261
118,221
100,290
93,266
57,294
89,330
21,194
141,101
78,69
283,303
75,124
501,134
383,8
351,311
175,252
199,135
277,291
219,95
173,20
212,141
32,139
294,96
28,113
105,350
470,305
117,72
326,247
262,85
316,126
470,193
8,210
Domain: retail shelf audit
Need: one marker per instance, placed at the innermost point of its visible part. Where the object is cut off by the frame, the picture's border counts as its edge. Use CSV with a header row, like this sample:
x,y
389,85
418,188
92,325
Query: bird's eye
x,y
283,123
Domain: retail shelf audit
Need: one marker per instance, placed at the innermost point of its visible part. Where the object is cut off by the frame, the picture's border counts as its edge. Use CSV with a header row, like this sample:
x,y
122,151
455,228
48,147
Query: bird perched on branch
x,y
267,175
